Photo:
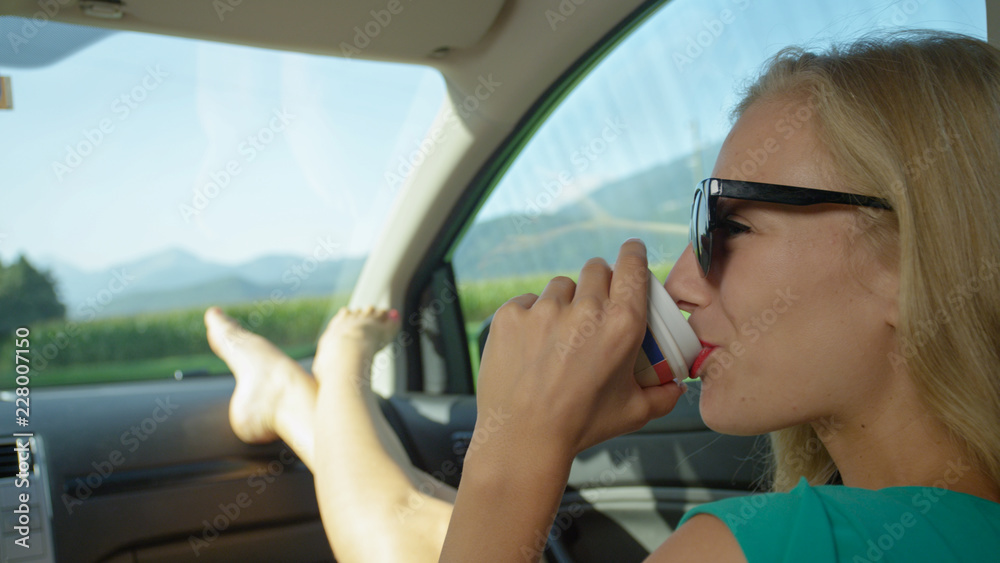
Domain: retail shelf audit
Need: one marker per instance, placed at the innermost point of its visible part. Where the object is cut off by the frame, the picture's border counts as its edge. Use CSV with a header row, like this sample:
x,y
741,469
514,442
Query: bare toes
x,y
262,372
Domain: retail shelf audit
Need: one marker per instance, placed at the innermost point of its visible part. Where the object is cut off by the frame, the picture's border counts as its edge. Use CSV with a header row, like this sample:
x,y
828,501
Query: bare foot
x,y
350,341
263,375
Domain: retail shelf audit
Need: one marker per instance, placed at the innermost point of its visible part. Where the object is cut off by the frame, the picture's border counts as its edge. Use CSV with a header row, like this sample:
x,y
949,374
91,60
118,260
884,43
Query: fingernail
x,y
682,385
636,239
393,314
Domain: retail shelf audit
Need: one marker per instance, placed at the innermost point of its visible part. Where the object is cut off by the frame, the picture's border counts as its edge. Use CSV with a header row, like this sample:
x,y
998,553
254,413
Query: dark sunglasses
x,y
703,211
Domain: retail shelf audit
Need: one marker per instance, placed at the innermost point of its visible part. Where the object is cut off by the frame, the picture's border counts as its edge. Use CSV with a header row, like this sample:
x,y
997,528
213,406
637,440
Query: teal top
x,y
833,523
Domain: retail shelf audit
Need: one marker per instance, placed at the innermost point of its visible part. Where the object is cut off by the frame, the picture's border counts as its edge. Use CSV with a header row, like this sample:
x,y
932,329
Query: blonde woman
x,y
875,220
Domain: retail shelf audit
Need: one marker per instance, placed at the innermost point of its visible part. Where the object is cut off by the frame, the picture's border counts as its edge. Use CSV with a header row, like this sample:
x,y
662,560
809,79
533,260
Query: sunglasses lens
x,y
701,237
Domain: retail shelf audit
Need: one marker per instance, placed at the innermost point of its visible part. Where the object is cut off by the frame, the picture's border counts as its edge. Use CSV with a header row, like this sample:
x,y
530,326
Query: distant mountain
x,y
169,269
225,291
68,277
267,269
654,204
175,279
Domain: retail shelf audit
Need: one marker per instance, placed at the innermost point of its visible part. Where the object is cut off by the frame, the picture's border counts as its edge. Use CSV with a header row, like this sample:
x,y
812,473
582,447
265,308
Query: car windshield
x,y
147,177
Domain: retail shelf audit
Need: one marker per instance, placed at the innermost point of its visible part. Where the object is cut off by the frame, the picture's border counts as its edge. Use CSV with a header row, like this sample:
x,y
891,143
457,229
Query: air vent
x,y
8,458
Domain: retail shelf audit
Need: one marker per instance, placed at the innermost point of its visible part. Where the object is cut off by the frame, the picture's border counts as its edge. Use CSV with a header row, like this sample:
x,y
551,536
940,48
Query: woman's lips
x,y
706,351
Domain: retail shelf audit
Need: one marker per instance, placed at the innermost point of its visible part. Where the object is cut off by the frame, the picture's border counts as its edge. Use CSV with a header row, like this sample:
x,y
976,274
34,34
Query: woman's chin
x,y
729,419
732,428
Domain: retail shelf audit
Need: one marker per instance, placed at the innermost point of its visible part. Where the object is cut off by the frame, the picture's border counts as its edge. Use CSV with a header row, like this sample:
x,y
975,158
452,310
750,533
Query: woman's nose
x,y
685,283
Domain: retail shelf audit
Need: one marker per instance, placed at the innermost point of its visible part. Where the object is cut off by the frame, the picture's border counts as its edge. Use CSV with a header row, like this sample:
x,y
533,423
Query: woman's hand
x,y
556,378
557,370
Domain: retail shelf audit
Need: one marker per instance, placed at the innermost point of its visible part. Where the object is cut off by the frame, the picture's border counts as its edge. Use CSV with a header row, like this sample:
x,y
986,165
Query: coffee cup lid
x,y
677,340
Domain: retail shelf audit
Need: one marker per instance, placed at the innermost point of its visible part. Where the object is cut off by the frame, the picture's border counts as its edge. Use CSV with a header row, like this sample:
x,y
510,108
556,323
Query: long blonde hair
x,y
914,118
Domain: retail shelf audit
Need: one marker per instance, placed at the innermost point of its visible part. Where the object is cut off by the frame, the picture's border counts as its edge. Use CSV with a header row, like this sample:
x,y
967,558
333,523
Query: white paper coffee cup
x,y
670,346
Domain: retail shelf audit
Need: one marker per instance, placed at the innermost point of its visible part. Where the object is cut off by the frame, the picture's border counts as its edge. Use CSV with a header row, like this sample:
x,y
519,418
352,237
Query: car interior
x,y
558,130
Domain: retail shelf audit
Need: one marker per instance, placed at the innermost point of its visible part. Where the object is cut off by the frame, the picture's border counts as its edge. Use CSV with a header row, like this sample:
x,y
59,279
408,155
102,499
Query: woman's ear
x,y
880,275
892,311
888,290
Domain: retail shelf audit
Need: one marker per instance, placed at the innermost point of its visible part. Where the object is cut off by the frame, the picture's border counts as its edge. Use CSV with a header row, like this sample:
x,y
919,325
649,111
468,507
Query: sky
x,y
139,143
305,140
675,81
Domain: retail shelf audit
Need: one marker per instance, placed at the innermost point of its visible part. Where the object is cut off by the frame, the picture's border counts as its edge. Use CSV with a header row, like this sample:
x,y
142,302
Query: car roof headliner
x,y
522,43
413,31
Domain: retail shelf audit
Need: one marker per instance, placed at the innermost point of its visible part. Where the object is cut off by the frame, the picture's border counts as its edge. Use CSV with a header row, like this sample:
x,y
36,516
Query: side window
x,y
179,174
620,156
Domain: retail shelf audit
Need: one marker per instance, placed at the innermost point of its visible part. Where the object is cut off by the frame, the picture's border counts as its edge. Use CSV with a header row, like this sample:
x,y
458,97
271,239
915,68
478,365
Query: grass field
x,y
142,370
155,346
